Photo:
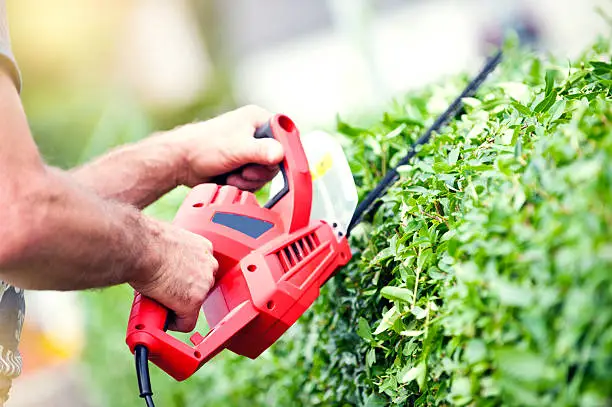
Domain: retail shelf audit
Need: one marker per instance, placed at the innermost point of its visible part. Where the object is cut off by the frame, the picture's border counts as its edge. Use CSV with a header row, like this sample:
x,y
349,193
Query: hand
x,y
225,144
178,272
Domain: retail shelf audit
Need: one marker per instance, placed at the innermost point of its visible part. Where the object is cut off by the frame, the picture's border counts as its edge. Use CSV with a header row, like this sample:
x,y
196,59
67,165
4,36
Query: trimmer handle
x,y
292,205
295,171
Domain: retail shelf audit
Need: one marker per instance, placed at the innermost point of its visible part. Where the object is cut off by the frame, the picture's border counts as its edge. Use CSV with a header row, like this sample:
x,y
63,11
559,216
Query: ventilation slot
x,y
237,197
299,254
310,242
214,197
315,240
289,256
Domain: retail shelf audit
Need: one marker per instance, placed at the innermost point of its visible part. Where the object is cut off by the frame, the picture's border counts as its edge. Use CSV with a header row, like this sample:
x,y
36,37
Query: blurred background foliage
x,y
101,73
79,92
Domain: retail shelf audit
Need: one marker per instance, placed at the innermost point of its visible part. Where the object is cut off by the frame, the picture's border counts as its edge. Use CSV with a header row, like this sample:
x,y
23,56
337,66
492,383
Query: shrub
x,y
483,279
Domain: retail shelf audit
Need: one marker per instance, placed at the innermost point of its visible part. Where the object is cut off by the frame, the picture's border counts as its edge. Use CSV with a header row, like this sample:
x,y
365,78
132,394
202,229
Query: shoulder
x,y
7,59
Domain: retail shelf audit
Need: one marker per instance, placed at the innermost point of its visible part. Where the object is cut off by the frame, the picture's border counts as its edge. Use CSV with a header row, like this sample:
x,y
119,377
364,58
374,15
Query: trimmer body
x,y
272,262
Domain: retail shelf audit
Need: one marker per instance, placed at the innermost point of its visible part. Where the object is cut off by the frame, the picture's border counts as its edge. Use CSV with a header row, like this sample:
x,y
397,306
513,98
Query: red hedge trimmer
x,y
272,259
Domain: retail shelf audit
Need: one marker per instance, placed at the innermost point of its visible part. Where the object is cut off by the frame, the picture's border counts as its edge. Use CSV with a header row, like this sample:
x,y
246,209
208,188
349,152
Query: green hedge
x,y
484,279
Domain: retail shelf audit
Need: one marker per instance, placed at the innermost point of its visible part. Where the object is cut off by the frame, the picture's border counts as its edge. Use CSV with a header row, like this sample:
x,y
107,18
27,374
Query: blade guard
x,y
272,263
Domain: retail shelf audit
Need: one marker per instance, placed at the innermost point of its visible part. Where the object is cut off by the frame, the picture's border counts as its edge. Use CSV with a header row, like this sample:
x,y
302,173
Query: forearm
x,y
136,174
55,234
61,236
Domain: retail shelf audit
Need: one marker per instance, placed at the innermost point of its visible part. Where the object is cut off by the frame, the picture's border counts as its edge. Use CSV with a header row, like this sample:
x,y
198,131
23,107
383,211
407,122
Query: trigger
x,y
196,339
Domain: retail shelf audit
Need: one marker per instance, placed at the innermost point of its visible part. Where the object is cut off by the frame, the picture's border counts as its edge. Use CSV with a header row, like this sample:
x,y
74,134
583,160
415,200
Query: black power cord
x,y
371,199
141,356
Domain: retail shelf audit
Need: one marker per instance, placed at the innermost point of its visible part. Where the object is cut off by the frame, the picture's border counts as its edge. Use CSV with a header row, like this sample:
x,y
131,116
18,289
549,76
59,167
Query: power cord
x,y
141,356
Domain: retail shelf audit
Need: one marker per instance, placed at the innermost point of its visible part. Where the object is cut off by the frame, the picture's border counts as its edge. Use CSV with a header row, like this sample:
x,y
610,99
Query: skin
x,y
82,229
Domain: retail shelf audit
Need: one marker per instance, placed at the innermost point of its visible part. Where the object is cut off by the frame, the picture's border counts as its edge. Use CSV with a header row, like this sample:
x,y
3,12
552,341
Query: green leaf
x,y
441,166
387,320
461,392
522,365
394,120
535,71
371,357
397,294
395,132
511,294
347,129
383,255
418,312
546,103
475,351
453,156
363,329
413,373
521,108
550,82
472,102
603,66
557,109
424,258
374,400
412,333
519,198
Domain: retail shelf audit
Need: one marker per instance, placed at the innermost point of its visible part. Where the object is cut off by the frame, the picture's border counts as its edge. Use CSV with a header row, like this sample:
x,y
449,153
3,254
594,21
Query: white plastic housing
x,y
334,192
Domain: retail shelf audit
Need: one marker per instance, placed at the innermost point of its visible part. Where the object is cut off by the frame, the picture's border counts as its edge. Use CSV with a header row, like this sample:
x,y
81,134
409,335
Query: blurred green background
x,y
101,73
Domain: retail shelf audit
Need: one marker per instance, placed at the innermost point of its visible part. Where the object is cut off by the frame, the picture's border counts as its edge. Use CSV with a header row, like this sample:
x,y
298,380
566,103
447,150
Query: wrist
x,y
148,259
176,153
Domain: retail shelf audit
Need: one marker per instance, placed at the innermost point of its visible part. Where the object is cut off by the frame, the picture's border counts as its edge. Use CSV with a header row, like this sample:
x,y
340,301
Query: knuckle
x,y
212,270
197,296
214,263
255,112
208,244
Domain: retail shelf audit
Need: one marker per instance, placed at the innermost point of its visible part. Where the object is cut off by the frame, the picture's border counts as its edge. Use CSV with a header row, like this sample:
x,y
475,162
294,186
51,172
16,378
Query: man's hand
x,y
195,153
224,144
182,277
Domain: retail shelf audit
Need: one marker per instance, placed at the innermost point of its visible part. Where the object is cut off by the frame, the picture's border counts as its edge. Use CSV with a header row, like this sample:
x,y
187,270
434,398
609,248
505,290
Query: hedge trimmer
x,y
272,259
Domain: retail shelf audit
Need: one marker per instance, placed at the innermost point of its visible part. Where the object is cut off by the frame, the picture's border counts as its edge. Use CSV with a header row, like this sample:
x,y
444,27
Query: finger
x,y
184,322
214,265
197,238
266,152
243,184
259,173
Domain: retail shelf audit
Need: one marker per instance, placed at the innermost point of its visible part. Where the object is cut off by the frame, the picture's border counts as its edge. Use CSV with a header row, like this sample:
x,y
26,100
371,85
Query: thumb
x,y
184,322
260,151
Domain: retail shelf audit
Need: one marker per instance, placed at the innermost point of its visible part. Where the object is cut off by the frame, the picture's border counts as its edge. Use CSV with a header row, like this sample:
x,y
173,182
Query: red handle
x,y
146,327
295,199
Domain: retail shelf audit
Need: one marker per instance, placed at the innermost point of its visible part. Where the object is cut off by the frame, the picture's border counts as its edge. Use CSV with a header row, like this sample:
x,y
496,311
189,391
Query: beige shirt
x,y
7,60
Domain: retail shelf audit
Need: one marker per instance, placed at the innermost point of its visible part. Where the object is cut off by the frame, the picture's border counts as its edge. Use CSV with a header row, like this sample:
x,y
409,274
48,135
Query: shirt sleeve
x,y
7,60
